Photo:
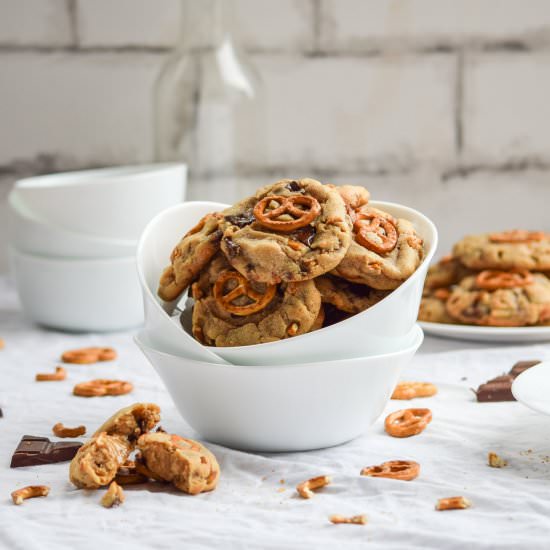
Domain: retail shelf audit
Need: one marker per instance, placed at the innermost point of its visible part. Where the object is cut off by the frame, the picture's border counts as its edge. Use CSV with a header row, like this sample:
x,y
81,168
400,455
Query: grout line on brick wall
x,y
459,104
515,166
316,8
11,48
72,10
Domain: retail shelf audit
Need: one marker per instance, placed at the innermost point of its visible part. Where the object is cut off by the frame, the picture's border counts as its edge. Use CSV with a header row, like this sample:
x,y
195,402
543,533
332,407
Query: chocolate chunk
x,y
232,248
293,186
522,366
33,451
305,235
497,389
242,220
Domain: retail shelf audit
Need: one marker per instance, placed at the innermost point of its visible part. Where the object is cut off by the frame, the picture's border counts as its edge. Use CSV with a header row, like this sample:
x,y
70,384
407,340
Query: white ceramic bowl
x,y
282,408
112,203
78,295
33,236
380,329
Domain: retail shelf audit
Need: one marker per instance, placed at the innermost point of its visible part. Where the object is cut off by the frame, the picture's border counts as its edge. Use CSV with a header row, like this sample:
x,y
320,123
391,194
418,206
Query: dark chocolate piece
x,y
522,366
293,186
233,249
305,235
33,451
242,220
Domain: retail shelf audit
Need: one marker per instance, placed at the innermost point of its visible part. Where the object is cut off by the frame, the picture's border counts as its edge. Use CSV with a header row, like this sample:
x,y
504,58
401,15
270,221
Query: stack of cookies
x,y
493,279
295,257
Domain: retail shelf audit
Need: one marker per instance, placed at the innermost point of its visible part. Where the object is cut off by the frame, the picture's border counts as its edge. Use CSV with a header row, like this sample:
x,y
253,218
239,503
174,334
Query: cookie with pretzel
x,y
230,310
433,306
385,251
289,231
516,249
502,299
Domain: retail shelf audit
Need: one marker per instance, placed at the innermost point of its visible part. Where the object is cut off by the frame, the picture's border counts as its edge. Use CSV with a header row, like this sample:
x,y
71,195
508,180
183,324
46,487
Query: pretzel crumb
x,y
30,491
452,503
496,461
57,376
114,496
355,520
306,488
60,430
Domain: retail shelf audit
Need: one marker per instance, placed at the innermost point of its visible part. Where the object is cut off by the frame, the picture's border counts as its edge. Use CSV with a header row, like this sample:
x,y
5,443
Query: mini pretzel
x,y
59,374
375,232
61,431
128,474
258,301
101,387
306,488
517,236
355,520
493,280
84,356
114,496
452,503
405,470
410,390
288,207
31,491
407,422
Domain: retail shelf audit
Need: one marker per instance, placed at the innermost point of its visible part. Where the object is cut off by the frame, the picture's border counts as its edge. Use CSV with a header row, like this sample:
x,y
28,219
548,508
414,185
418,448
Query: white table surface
x,y
252,508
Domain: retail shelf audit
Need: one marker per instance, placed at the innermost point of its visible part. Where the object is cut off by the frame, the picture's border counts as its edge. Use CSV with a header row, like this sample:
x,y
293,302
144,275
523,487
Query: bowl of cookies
x,y
494,286
297,273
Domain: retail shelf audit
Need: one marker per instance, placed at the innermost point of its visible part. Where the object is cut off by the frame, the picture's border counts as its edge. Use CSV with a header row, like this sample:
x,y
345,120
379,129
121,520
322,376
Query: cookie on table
x,y
446,272
191,254
385,251
231,311
516,249
293,230
501,299
432,307
346,296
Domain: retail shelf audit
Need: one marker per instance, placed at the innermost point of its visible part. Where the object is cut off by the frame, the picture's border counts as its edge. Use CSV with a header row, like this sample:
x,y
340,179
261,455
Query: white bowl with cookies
x,y
262,280
285,407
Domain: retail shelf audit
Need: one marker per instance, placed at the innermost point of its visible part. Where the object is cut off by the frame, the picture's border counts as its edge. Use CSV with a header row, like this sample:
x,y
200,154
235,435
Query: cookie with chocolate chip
x,y
190,255
229,310
290,231
385,251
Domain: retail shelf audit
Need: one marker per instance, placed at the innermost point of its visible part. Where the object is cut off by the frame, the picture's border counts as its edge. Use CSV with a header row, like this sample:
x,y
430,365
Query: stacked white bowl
x,y
73,241
311,391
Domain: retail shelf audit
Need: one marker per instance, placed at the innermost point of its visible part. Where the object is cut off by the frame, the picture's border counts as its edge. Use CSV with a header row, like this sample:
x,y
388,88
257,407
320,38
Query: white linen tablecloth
x,y
255,504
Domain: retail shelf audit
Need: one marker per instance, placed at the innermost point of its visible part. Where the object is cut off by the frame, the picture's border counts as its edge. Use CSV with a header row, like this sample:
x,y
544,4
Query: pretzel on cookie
x,y
404,470
493,280
242,287
517,236
407,422
274,212
375,232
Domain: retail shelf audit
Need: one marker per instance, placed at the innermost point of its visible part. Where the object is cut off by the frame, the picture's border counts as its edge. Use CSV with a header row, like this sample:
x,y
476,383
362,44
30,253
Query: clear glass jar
x,y
209,106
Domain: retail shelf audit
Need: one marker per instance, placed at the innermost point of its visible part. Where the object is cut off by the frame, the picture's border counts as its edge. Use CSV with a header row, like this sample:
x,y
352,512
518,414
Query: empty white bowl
x,y
293,407
380,329
78,295
112,203
33,236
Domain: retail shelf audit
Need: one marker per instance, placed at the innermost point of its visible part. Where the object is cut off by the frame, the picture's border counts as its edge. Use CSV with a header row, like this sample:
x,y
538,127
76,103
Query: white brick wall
x,y
442,104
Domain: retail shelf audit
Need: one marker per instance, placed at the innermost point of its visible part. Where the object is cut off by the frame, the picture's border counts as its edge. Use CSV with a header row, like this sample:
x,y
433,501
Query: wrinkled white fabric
x,y
252,507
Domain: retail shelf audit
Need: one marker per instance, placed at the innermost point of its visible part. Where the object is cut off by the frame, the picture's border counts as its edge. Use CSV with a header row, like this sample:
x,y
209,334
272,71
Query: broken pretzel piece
x,y
306,488
59,374
114,496
452,503
355,520
410,390
496,461
85,356
101,387
30,491
405,470
60,430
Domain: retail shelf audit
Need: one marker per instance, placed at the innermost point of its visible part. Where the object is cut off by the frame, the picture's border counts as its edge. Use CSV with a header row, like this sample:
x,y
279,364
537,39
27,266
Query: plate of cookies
x,y
298,272
493,287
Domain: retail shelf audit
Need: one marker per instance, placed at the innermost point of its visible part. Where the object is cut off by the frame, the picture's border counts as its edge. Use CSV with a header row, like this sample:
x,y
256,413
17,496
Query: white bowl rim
x,y
303,337
98,241
71,261
95,176
418,338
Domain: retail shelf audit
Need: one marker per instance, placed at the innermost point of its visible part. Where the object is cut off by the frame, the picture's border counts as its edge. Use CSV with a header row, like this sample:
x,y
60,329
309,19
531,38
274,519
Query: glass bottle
x,y
209,106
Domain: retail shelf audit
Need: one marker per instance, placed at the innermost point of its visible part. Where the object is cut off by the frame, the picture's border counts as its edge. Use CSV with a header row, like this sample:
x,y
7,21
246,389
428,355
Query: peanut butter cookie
x,y
446,272
516,249
433,307
385,251
293,230
229,310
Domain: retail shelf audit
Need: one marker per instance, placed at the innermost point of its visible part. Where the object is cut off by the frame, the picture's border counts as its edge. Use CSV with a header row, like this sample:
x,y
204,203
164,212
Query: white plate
x,y
487,334
532,388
